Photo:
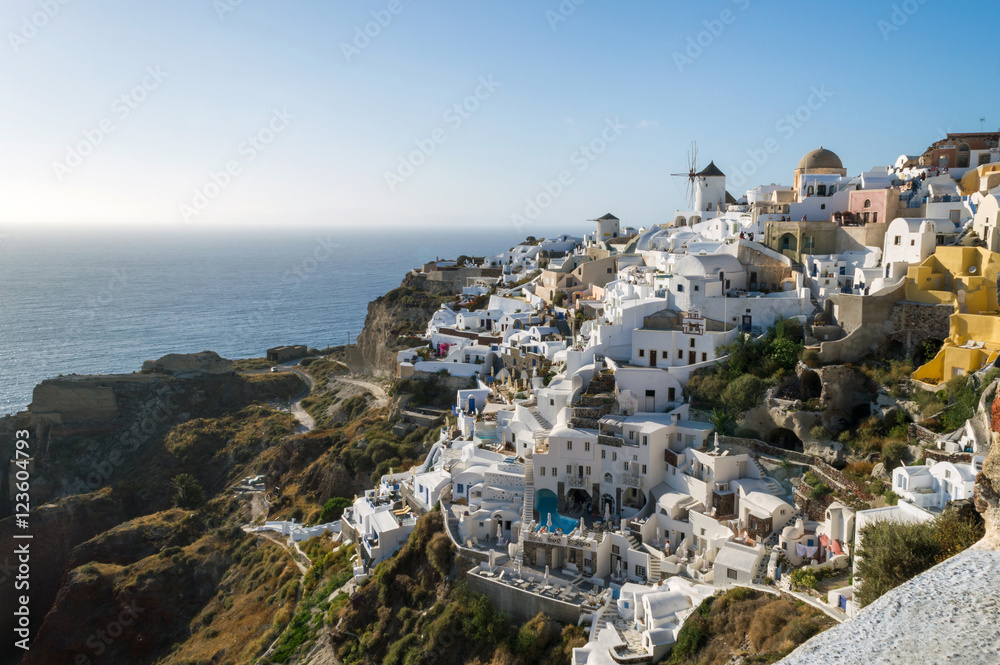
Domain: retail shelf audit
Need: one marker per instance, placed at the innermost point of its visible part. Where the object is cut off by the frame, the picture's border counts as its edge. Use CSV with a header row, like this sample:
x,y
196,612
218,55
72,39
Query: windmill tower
x,y
710,189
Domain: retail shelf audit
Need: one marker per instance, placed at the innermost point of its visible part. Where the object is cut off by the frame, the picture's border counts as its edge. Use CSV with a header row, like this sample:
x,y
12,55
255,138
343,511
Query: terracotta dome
x,y
821,158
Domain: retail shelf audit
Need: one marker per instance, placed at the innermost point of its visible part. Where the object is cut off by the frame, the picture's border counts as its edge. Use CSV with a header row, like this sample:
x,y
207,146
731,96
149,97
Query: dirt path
x,y
381,397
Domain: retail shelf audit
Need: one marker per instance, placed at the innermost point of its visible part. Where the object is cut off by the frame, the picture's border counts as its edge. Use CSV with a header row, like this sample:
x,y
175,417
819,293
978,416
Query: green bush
x,y
820,491
894,552
333,509
743,394
820,433
892,453
805,578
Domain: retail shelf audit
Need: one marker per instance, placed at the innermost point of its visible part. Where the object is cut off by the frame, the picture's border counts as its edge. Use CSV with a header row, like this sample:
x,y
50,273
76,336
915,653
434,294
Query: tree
x,y
188,492
333,509
721,420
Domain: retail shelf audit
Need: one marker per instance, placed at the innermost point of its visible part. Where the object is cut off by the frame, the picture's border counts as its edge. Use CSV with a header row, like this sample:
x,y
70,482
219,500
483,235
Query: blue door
x,y
472,405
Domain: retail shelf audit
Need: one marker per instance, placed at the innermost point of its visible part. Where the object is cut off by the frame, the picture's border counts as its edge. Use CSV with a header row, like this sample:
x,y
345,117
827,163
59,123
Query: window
x,y
553,472
587,471
731,574
955,216
586,446
680,288
569,445
898,240
542,471
631,435
822,206
680,354
940,239
640,571
615,549
704,357
461,488
642,353
643,469
912,242
810,190
552,402
645,440
808,242
868,203
614,457
604,454
692,343
697,288
703,531
569,469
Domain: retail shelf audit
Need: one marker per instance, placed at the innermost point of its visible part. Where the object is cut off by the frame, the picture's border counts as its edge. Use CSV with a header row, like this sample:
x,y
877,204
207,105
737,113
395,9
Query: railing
x,y
576,481
629,480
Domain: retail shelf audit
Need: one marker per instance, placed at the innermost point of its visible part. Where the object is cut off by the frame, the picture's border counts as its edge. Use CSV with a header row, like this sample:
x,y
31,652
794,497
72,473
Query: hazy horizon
x,y
233,113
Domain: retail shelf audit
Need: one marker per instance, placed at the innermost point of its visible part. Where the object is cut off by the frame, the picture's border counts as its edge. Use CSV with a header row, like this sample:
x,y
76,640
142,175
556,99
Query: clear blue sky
x,y
895,86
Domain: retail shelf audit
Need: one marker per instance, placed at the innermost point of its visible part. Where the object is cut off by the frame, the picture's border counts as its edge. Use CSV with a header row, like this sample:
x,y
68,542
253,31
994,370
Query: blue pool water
x,y
546,505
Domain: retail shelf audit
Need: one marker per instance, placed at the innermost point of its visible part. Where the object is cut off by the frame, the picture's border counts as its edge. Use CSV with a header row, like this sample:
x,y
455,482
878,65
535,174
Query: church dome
x,y
821,158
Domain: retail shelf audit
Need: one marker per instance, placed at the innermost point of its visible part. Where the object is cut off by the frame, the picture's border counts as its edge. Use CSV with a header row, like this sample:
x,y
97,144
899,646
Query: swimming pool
x,y
546,505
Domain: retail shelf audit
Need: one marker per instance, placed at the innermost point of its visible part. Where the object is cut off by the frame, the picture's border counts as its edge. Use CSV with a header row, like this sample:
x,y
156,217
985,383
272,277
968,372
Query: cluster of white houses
x,y
576,453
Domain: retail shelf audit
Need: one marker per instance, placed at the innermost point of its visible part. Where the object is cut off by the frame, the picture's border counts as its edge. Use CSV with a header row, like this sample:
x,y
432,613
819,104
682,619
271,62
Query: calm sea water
x,y
105,302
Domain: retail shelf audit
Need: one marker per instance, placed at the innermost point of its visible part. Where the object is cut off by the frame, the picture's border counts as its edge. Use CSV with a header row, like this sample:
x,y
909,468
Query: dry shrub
x,y
860,470
768,623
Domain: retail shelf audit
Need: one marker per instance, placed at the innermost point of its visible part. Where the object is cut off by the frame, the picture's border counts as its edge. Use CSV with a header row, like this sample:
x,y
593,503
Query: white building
x,y
933,485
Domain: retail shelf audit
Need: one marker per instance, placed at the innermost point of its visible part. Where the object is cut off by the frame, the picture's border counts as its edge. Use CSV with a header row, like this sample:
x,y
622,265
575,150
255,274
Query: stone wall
x,y
73,400
520,605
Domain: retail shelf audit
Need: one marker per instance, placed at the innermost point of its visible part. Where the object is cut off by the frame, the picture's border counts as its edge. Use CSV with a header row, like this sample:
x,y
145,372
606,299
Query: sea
x,y
102,302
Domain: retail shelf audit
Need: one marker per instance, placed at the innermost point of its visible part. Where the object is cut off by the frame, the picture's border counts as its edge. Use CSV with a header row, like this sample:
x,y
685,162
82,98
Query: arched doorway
x,y
577,501
608,505
785,439
811,385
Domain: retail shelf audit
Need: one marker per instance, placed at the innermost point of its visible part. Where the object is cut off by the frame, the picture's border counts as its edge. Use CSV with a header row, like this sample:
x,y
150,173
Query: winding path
x,y
381,397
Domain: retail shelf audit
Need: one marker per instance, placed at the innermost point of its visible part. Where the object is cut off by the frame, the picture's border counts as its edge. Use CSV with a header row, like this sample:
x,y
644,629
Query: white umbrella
x,y
548,522
607,512
491,560
546,573
619,567
499,532
583,527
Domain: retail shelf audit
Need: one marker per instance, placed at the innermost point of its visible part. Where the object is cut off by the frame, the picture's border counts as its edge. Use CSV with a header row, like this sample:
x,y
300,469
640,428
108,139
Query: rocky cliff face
x,y
988,482
391,318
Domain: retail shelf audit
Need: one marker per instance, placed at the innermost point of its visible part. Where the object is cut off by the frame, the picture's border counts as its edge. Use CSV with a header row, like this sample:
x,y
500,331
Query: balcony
x,y
577,481
628,480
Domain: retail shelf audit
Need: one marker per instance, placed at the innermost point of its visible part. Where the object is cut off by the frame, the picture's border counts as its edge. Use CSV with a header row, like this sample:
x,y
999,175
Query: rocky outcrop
x,y
113,614
73,400
988,481
391,319
56,530
177,364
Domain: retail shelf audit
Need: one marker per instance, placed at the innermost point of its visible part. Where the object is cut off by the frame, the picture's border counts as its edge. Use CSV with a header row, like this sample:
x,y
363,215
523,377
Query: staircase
x,y
528,506
655,574
546,425
773,486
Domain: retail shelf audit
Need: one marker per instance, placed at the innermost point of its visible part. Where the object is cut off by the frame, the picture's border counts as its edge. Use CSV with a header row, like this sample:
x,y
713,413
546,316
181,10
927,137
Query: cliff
x,y
391,321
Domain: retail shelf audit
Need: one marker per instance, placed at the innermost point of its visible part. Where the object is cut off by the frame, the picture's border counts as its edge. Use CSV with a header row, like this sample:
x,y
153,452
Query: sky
x,y
244,113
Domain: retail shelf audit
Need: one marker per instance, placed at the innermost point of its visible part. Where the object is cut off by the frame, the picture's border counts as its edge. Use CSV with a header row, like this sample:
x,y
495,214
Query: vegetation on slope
x,y
757,626
753,365
415,609
893,552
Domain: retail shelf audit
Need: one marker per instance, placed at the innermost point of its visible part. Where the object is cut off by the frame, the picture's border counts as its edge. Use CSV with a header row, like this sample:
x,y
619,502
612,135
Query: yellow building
x,y
965,277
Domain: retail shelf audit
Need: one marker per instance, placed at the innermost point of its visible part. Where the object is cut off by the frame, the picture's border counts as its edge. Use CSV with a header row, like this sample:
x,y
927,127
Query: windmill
x,y
692,173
